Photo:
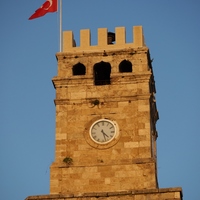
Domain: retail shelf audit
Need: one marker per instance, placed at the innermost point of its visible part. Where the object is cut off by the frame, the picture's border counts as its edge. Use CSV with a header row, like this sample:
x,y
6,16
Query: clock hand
x,y
103,134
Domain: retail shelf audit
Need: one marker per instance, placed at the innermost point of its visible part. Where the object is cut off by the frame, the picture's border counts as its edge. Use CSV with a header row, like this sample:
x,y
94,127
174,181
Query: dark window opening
x,y
78,69
102,72
111,38
125,66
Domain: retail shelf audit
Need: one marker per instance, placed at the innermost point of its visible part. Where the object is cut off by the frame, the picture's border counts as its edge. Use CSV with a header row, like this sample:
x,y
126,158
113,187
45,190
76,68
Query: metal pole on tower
x,y
60,25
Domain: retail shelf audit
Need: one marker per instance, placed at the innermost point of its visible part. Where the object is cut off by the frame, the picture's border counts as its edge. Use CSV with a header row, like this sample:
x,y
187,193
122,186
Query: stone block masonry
x,y
114,82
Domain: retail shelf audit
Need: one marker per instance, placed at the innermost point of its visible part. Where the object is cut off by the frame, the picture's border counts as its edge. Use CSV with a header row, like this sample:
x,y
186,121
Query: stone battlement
x,y
69,44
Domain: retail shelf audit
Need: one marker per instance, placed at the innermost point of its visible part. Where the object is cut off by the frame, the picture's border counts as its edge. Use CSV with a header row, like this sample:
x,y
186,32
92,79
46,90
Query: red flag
x,y
48,6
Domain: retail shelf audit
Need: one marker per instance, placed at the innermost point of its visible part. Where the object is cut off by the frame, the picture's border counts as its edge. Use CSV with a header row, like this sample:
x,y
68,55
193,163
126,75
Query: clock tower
x,y
105,143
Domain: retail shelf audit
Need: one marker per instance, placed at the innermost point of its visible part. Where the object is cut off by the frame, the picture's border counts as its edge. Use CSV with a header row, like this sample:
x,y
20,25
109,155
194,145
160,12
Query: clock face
x,y
103,131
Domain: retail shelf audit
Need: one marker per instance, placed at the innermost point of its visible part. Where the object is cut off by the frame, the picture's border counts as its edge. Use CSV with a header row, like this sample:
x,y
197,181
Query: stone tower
x,y
105,120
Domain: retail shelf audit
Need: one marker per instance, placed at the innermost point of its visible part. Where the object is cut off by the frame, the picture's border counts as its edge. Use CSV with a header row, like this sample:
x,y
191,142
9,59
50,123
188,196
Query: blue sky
x,y
28,63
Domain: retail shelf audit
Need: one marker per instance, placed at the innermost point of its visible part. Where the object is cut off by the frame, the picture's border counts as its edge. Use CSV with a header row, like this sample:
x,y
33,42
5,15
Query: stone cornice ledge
x,y
106,194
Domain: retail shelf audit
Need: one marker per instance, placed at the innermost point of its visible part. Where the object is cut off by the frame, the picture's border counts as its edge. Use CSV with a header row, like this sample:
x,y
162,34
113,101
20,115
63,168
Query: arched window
x,y
125,66
102,72
78,69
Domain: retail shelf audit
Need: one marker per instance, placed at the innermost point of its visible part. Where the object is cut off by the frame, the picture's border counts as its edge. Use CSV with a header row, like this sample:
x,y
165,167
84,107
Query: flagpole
x,y
60,25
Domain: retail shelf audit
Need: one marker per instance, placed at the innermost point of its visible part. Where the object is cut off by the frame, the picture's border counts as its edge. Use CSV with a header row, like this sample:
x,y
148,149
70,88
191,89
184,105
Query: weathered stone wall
x,y
125,163
124,168
103,178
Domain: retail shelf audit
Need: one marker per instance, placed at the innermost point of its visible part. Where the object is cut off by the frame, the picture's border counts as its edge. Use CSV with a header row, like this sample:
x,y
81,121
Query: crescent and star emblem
x,y
50,4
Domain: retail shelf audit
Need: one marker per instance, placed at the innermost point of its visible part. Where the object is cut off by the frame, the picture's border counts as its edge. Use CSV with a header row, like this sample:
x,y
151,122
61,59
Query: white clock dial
x,y
103,131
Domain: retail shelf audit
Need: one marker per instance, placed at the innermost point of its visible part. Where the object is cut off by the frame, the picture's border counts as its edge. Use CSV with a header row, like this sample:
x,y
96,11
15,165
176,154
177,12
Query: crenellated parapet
x,y
69,44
